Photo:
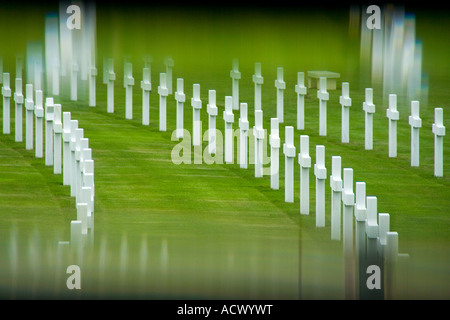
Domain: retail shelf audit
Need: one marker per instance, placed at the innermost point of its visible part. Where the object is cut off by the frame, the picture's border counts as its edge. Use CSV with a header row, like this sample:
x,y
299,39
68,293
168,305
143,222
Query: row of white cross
x,y
378,242
66,149
164,89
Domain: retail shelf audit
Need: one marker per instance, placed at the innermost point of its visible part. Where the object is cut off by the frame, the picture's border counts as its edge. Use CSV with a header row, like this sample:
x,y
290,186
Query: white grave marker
x,y
146,87
243,130
235,75
49,117
281,86
372,229
416,123
274,140
6,92
383,229
79,133
289,154
57,129
258,132
228,118
348,201
128,83
323,96
66,147
320,171
212,112
258,80
109,79
336,197
300,89
86,198
169,67
304,160
83,146
369,109
438,130
92,87
73,165
196,104
39,114
29,107
163,93
180,97
393,116
360,235
18,99
88,177
73,82
82,215
346,103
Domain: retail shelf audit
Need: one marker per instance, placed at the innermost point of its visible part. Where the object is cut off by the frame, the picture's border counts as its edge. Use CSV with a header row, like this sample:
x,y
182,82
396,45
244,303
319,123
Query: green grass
x,y
228,234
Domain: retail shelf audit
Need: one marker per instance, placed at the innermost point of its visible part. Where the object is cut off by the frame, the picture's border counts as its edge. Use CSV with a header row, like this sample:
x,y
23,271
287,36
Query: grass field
x,y
215,231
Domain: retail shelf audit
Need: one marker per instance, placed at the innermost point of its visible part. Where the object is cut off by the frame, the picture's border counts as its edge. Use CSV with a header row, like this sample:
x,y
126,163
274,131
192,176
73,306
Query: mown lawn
x,y
216,230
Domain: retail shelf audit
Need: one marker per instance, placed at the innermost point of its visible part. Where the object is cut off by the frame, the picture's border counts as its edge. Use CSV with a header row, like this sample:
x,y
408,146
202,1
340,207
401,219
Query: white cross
x,y
109,79
88,176
360,211
258,80
348,201
235,75
372,230
336,197
212,112
304,160
128,83
29,107
92,77
196,104
163,93
289,155
66,147
416,123
6,92
146,87
300,89
346,103
169,66
281,86
393,116
274,141
369,109
73,165
323,96
18,99
243,135
180,97
39,115
79,134
57,130
228,117
372,217
49,117
258,133
438,130
320,171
